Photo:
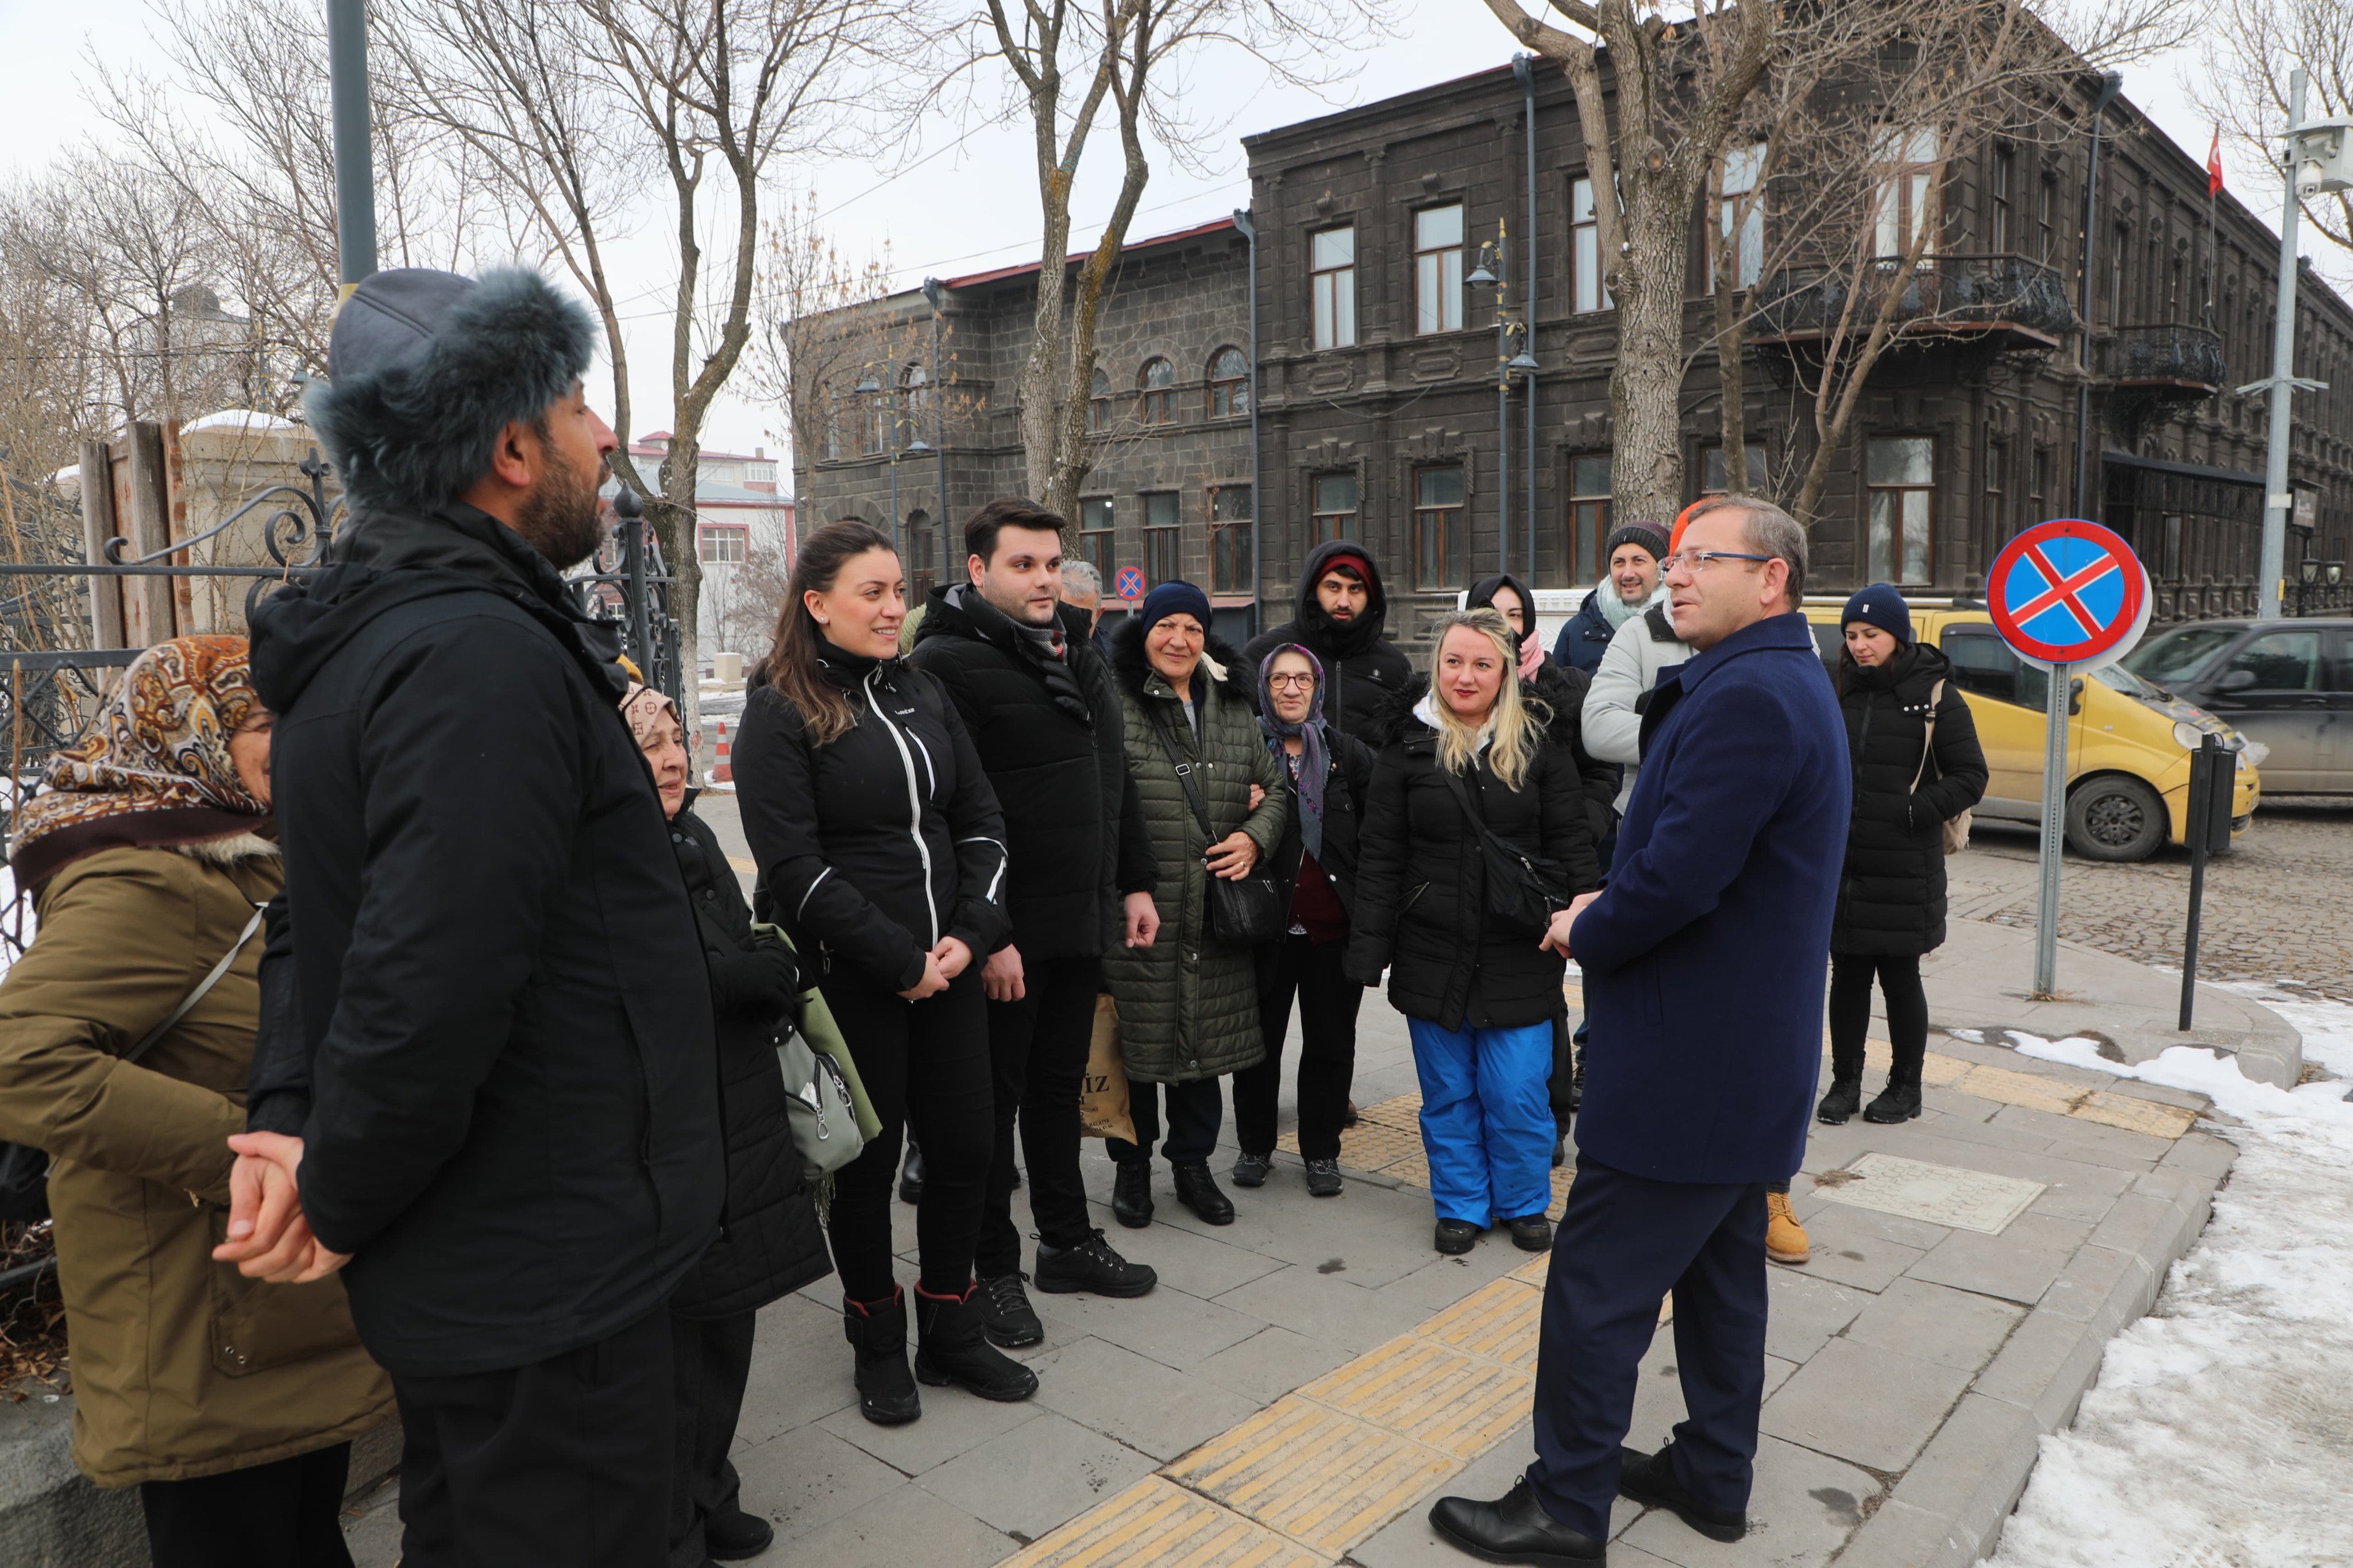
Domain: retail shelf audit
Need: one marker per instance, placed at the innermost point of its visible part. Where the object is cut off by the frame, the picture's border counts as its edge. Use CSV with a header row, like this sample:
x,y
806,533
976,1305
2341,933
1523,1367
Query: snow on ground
x,y
2221,1432
2326,1026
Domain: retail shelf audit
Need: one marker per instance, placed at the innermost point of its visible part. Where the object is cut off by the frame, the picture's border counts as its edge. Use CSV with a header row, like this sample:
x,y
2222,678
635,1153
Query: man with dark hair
x,y
1045,716
1343,612
490,1072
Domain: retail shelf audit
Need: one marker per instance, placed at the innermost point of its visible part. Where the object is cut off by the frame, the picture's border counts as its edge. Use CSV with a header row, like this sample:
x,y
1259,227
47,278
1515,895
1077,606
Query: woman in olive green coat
x,y
1188,1004
231,1403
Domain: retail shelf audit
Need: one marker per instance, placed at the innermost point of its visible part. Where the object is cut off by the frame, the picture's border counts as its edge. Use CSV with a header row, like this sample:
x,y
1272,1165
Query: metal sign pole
x,y
2203,762
2055,704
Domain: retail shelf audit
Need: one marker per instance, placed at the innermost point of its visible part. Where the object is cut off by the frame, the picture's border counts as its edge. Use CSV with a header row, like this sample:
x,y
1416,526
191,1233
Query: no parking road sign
x,y
1129,583
2070,593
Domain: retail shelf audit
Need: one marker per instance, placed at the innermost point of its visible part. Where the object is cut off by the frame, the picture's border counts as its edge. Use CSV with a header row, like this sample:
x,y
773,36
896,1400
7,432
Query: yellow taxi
x,y
2128,742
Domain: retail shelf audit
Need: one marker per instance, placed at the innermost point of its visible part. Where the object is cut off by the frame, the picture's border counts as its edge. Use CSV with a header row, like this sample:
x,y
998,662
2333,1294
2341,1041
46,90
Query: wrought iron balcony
x,y
1962,296
2190,358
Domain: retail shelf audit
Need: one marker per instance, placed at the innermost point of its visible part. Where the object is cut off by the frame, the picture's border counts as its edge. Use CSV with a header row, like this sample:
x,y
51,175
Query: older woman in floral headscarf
x,y
231,1403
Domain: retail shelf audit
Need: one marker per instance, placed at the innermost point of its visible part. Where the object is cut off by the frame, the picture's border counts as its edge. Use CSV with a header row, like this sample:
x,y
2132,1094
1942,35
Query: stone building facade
x,y
1376,388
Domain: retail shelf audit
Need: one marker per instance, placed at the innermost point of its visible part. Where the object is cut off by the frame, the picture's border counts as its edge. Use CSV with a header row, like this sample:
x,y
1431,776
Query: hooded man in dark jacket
x,y
1342,620
503,1106
1044,714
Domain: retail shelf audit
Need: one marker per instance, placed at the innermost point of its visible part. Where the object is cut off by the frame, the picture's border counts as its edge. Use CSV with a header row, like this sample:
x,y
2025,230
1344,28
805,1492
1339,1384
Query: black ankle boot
x,y
1199,1191
953,1350
1843,1101
1130,1193
910,1176
1899,1101
886,1391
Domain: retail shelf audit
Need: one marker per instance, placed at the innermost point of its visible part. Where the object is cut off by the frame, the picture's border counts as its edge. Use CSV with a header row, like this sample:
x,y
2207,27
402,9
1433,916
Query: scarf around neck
x,y
1617,611
1045,647
1308,770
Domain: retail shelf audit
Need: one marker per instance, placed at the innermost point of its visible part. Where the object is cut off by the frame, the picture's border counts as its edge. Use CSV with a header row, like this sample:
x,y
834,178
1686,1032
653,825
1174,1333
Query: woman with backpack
x,y
1475,831
1917,767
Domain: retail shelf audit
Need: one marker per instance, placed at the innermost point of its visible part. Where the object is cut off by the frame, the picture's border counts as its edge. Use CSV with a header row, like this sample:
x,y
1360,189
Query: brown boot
x,y
1785,1239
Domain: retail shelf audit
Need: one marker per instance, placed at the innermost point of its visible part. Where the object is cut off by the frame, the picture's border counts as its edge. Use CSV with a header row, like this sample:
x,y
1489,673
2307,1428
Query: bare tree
x,y
2255,44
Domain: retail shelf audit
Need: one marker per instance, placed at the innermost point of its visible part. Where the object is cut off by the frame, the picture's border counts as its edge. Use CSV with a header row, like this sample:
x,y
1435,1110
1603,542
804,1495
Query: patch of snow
x,y
238,419
2220,1433
2326,1026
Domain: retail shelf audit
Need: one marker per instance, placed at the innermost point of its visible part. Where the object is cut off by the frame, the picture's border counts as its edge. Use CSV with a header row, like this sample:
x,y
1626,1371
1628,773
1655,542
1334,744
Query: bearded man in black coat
x,y
1343,620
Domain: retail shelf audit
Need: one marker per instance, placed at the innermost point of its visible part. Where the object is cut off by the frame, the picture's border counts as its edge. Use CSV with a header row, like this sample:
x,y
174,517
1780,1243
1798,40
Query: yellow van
x,y
2128,742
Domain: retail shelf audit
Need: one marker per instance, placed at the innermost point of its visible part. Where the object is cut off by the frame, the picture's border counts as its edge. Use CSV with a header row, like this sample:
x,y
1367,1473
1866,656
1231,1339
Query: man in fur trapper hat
x,y
486,1078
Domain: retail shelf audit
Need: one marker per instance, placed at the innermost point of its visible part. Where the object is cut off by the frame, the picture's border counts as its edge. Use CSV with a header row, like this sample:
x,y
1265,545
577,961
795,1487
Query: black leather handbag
x,y
1520,888
1243,911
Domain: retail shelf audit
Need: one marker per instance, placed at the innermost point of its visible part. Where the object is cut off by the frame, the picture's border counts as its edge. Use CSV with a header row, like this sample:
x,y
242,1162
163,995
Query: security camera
x,y
2309,179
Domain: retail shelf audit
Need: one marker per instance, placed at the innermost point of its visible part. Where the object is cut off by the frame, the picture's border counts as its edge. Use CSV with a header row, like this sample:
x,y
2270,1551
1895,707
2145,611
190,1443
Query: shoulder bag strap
x,y
1183,769
203,987
1928,741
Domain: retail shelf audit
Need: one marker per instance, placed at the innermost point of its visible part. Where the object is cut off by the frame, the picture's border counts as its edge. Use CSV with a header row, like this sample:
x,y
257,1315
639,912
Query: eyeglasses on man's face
x,y
1287,682
1698,560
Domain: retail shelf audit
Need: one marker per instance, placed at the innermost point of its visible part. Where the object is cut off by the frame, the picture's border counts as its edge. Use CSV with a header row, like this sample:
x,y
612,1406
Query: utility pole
x,y
347,75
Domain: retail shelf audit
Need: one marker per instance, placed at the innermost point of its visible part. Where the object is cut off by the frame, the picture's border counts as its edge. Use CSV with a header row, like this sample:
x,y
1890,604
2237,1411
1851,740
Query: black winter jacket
x,y
1074,829
877,845
1362,668
769,1242
1562,687
1586,636
502,1026
1421,907
1892,893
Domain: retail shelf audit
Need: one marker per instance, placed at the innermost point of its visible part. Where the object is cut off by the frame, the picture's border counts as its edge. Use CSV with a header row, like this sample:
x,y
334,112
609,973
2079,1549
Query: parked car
x,y
2128,741
2287,684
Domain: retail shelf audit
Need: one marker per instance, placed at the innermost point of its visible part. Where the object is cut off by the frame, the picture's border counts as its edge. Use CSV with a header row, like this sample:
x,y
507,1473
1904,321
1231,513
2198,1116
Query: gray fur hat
x,y
425,368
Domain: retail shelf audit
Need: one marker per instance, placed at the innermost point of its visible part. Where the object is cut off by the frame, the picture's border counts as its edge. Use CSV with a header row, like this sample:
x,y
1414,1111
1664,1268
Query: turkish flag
x,y
2214,166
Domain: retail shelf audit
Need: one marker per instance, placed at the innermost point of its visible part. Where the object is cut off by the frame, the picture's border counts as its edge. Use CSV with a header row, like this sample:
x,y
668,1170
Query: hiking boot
x,y
1251,1170
1896,1103
1456,1236
1094,1266
1530,1232
1006,1315
910,1176
877,1331
1785,1239
1844,1099
1199,1191
1323,1178
1130,1193
953,1348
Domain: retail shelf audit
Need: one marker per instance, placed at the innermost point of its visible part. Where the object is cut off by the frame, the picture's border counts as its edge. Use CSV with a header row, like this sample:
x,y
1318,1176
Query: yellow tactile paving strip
x,y
1157,1522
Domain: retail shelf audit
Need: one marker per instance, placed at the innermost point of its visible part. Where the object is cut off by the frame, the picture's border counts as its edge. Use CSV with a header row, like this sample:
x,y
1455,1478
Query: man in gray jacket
x,y
1638,652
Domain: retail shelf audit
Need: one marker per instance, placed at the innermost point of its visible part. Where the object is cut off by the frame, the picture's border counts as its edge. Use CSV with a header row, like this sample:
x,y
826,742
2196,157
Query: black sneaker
x,y
1006,1315
1456,1236
1094,1266
1323,1178
1250,1170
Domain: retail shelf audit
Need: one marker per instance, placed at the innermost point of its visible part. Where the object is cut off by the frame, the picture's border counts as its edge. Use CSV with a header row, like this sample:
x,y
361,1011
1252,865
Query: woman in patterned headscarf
x,y
231,1403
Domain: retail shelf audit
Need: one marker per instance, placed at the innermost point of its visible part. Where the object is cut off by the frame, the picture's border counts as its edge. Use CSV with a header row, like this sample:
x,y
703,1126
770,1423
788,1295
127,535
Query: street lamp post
x,y
347,80
1511,358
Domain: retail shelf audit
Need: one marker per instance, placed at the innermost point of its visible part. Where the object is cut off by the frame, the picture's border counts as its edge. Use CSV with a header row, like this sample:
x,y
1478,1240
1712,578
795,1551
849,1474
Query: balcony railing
x,y
1956,294
2171,355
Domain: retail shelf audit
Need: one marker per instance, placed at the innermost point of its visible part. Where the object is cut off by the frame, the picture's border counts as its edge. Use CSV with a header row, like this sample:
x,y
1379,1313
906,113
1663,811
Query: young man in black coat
x,y
503,1113
1044,715
1342,620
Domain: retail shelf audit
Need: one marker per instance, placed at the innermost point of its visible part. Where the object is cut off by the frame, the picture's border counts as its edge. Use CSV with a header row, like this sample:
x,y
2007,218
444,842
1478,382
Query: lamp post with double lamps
x,y
1511,358
870,386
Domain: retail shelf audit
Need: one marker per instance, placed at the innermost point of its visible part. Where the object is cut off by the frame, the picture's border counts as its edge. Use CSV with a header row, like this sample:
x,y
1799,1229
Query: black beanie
x,y
1636,534
1881,606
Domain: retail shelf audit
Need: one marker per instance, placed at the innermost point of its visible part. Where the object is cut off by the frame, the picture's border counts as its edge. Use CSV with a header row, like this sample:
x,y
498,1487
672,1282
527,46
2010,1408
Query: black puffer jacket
x,y
1421,906
769,1242
1074,827
1362,668
1892,895
1561,688
877,845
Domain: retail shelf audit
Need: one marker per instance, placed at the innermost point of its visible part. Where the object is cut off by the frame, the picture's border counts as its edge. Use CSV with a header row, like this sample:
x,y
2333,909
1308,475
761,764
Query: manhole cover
x,y
1941,1195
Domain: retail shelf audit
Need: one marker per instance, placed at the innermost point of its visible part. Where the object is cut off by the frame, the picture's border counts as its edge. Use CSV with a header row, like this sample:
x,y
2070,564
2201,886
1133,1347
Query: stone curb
x,y
1948,1510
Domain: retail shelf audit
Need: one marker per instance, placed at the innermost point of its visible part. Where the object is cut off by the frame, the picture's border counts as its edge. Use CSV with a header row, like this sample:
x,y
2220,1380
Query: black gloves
x,y
764,982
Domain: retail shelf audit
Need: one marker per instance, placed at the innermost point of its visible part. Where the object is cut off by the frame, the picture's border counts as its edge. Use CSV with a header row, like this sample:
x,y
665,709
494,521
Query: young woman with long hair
x,y
881,852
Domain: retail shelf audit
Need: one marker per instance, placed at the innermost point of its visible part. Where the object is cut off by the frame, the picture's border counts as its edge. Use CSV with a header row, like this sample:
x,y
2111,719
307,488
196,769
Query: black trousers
x,y
1907,1013
1623,1243
1328,1001
1196,1111
566,1461
710,1361
284,1514
1036,1055
925,1067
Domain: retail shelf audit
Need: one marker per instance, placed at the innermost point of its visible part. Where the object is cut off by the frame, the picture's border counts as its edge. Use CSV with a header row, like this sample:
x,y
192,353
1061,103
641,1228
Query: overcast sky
x,y
970,200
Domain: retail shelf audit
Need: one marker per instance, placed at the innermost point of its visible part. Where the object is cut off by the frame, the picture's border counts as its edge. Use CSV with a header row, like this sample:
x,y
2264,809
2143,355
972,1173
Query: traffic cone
x,y
724,772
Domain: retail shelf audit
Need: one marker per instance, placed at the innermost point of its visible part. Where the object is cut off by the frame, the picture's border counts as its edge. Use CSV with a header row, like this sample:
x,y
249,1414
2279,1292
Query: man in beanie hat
x,y
1633,554
494,1084
1343,614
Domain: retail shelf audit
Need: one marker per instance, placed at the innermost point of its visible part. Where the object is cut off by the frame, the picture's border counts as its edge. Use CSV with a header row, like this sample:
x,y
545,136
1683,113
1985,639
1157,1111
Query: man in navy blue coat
x,y
1703,957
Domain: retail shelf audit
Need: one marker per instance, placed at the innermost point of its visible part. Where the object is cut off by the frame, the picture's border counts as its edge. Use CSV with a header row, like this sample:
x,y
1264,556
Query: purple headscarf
x,y
1307,775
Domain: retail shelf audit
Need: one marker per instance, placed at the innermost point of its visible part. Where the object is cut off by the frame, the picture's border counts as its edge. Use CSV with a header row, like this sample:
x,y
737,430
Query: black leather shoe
x,y
1199,1191
1006,1315
1251,1170
1515,1528
1130,1193
1844,1099
1650,1479
1530,1232
1896,1103
1456,1236
1351,1116
952,1347
910,1176
1093,1266
735,1536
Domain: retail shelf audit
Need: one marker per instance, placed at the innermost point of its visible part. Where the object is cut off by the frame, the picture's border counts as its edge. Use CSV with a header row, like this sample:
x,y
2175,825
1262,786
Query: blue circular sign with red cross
x,y
1129,583
2069,591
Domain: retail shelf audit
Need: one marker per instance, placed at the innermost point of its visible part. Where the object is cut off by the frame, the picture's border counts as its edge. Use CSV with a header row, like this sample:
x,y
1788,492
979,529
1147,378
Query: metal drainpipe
x,y
935,291
1248,228
2111,84
1525,68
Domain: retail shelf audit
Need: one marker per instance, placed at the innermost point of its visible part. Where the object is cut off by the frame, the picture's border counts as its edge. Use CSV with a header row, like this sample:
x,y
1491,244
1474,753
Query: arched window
x,y
1099,402
1229,383
1155,402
